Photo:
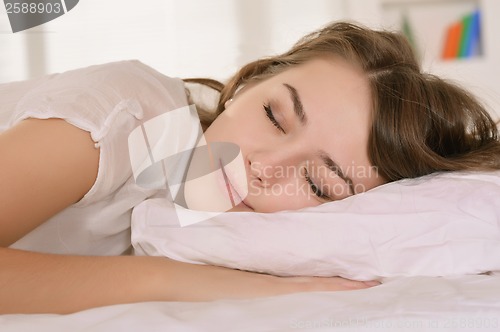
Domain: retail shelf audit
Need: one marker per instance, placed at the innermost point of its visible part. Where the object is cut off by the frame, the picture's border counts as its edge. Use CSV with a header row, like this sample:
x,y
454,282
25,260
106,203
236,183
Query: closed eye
x,y
315,188
270,116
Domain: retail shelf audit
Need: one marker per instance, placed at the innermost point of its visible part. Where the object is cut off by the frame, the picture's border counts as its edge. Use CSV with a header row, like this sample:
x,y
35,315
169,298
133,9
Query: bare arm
x,y
41,283
45,166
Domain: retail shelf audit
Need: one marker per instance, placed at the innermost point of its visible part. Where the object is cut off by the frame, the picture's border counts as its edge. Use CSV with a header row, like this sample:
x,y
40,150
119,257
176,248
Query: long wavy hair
x,y
421,123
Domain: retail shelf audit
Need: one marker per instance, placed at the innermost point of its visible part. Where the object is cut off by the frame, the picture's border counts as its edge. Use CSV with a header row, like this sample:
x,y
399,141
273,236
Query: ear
x,y
228,102
238,91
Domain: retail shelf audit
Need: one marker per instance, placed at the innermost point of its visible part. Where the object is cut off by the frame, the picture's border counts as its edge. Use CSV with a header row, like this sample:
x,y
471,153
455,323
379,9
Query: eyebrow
x,y
298,108
334,167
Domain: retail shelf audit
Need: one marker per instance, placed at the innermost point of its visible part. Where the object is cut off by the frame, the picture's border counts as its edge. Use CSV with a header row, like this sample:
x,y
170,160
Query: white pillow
x,y
438,225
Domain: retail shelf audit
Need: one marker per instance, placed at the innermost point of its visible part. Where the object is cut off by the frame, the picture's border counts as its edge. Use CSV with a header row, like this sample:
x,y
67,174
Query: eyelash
x,y
270,116
315,189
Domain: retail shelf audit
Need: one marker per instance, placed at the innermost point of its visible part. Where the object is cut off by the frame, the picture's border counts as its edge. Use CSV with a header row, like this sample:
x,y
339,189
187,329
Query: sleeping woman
x,y
345,110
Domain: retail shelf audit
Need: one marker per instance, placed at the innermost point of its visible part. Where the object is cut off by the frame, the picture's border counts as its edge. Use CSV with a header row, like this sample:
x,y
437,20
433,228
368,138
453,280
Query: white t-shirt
x,y
109,101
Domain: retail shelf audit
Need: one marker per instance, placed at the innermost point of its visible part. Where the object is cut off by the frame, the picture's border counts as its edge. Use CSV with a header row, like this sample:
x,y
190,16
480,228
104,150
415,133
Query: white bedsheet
x,y
466,303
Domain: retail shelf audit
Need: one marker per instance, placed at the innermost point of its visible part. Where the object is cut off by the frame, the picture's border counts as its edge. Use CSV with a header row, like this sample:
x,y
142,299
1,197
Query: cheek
x,y
238,126
369,182
219,130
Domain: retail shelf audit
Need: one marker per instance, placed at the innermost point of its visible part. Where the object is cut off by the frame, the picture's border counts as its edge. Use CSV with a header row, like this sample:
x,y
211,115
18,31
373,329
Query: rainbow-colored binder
x,y
463,38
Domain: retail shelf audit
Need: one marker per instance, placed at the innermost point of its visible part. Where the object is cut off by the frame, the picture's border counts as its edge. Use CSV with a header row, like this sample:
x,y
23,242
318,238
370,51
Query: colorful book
x,y
452,44
408,32
463,38
475,47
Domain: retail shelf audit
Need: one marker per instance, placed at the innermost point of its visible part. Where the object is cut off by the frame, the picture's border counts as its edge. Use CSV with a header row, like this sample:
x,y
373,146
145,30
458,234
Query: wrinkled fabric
x,y
439,225
108,101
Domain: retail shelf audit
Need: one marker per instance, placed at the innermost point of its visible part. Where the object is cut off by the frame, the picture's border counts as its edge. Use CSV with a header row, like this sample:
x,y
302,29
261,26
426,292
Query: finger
x,y
352,284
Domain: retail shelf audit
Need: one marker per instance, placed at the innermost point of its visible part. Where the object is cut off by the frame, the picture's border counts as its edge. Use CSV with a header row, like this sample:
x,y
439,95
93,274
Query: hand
x,y
312,284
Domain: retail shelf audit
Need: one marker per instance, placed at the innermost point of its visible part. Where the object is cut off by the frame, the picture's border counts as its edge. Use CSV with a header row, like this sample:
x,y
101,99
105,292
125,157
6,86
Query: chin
x,y
242,207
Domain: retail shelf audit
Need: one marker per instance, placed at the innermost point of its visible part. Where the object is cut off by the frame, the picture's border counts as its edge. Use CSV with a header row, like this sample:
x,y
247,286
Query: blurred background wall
x,y
212,38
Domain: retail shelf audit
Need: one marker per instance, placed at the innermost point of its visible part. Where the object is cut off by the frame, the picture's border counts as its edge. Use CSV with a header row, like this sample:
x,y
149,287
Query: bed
x,y
464,303
433,242
440,273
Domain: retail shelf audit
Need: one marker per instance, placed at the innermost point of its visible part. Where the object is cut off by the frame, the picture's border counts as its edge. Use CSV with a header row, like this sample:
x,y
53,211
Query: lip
x,y
232,190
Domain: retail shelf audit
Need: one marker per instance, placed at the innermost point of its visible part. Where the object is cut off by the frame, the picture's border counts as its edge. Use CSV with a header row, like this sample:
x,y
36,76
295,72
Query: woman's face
x,y
302,136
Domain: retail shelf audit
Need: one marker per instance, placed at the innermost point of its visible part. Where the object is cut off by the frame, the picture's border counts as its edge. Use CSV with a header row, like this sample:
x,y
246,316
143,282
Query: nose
x,y
274,165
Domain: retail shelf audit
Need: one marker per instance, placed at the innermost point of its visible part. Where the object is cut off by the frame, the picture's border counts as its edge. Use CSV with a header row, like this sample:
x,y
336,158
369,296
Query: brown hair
x,y
421,123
